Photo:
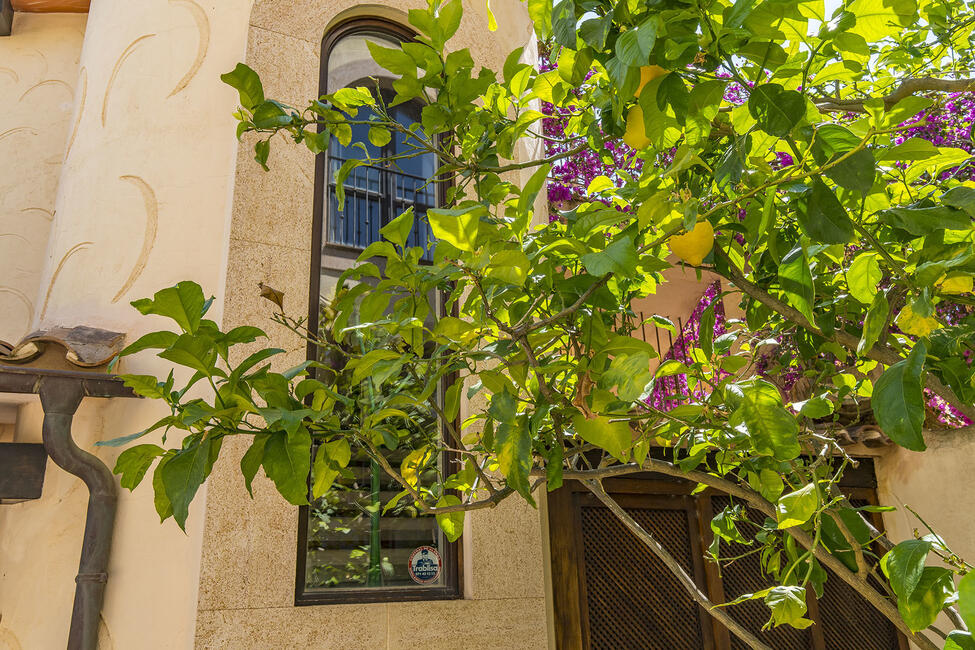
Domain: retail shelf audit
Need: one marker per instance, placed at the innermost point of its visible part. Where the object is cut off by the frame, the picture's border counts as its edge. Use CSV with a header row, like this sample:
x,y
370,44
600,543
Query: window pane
x,y
354,541
356,537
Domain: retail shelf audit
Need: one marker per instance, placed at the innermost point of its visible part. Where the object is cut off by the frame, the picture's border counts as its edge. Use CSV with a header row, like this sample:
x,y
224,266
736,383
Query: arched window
x,y
352,547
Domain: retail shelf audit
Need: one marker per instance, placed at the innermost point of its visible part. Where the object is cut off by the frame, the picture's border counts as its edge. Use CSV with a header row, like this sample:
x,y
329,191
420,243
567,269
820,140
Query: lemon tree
x,y
770,144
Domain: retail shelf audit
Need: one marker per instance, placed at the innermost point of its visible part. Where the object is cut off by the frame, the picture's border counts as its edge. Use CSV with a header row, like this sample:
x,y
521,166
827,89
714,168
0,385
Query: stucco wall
x,y
141,201
38,75
936,484
249,547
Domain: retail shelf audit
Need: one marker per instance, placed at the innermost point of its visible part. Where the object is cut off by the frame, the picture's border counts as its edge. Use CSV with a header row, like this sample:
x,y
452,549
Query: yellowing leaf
x,y
915,325
956,284
414,463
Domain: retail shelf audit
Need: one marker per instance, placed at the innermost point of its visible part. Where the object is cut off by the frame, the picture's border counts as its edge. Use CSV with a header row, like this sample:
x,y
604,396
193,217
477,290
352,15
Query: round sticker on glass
x,y
425,565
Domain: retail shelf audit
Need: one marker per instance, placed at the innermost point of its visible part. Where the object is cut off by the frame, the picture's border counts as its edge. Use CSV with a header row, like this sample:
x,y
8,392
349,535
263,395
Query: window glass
x,y
376,193
362,535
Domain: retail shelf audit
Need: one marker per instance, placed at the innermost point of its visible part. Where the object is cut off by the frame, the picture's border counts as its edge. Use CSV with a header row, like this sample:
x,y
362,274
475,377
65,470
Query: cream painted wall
x,y
142,200
38,75
936,483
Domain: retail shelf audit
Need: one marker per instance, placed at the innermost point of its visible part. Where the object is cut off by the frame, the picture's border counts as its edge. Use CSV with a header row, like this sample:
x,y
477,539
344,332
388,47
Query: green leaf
x,y
776,109
184,303
564,23
856,171
196,352
526,200
262,149
458,227
144,385
823,217
251,461
287,461
958,640
449,18
163,507
393,59
330,459
788,606
796,508
182,476
379,136
634,46
922,607
451,523
873,323
926,220
910,149
398,230
614,437
630,373
904,564
966,599
864,276
513,444
247,83
510,266
270,115
619,258
152,340
898,401
133,463
772,429
540,12
960,197
796,279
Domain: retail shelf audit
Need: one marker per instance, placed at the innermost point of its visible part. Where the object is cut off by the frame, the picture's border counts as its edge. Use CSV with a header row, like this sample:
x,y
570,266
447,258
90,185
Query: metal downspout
x,y
60,399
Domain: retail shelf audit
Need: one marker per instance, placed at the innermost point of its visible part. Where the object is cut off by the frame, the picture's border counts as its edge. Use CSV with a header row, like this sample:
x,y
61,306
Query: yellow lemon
x,y
636,133
647,74
694,246
957,284
915,325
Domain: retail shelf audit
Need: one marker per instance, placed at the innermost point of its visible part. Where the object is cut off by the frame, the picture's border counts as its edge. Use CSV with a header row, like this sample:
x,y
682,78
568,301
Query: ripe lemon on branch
x,y
694,246
647,74
636,132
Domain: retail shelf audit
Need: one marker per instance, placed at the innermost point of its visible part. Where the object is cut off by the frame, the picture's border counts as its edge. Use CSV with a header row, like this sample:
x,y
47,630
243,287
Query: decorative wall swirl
x,y
57,271
203,26
47,82
10,72
48,214
20,295
83,77
149,238
16,130
115,70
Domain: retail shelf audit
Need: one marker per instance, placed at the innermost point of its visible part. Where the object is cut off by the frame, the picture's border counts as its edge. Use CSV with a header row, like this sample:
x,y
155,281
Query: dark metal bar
x,y
6,17
29,380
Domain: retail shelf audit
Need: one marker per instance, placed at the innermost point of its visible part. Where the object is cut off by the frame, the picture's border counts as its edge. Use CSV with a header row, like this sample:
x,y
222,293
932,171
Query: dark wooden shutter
x,y
611,592
626,585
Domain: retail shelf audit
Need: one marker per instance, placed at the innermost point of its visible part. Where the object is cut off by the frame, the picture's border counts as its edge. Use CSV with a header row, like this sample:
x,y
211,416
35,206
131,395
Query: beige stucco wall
x,y
935,483
140,201
38,75
248,569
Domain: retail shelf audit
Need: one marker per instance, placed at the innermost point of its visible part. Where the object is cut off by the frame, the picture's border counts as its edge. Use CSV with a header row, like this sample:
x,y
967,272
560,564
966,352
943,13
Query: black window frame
x,y
452,587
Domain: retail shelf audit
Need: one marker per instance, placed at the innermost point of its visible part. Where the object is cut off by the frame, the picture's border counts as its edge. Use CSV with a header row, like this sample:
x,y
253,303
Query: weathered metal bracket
x,y
61,393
